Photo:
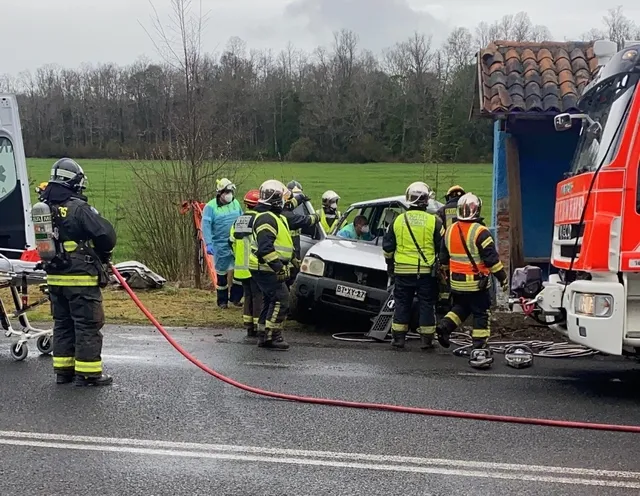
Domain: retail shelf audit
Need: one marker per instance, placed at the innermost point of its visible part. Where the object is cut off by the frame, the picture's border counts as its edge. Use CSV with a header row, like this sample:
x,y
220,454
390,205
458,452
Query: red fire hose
x,y
370,406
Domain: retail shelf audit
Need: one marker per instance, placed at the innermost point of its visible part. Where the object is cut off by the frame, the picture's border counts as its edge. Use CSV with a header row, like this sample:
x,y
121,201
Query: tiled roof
x,y
533,78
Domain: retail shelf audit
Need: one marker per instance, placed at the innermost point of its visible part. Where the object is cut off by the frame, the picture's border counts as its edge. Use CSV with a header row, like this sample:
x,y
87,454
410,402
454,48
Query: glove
x,y
283,274
504,285
296,263
444,273
210,249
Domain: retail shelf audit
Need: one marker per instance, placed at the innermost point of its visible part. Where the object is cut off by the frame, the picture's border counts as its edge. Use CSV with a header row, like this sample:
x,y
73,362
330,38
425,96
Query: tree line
x,y
343,103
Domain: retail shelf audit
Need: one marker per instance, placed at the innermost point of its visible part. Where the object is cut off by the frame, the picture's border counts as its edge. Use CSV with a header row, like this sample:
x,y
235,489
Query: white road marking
x,y
462,468
126,358
519,376
267,364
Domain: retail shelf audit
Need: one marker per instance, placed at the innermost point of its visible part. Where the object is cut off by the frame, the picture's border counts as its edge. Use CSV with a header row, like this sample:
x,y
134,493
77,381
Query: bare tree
x,y
619,27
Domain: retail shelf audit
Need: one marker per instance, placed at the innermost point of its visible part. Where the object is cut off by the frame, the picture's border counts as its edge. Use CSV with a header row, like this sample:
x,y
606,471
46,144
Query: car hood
x,y
344,251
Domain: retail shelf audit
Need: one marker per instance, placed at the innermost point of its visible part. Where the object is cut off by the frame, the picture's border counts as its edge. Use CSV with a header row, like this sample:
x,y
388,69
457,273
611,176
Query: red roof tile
x,y
544,77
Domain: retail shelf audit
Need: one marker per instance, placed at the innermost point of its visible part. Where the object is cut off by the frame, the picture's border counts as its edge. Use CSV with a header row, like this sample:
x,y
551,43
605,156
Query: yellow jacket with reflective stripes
x,y
240,240
478,239
324,221
398,245
271,242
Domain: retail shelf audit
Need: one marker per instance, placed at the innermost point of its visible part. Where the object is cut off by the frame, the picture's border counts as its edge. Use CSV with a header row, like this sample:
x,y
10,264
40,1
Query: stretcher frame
x,y
18,284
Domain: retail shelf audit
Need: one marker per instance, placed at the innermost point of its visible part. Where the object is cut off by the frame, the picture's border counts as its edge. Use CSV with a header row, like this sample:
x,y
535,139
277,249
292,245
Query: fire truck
x,y
594,298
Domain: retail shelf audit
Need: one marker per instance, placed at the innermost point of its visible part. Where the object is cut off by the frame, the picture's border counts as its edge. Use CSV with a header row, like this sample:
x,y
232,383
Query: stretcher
x,y
17,276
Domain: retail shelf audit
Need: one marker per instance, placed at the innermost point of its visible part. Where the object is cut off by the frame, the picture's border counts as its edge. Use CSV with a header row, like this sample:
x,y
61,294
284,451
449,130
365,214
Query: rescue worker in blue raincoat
x,y
358,229
240,240
217,218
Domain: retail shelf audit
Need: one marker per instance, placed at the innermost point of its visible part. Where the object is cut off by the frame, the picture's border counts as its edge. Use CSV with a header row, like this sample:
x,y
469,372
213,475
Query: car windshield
x,y
608,106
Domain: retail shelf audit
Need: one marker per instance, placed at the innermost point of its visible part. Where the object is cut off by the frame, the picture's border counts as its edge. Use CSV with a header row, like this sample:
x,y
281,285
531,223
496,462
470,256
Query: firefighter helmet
x,y
329,197
251,198
272,193
68,173
418,194
469,207
225,185
454,192
293,185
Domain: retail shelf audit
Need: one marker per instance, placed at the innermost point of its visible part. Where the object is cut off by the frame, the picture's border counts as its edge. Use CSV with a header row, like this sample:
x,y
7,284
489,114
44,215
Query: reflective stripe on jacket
x,y
463,276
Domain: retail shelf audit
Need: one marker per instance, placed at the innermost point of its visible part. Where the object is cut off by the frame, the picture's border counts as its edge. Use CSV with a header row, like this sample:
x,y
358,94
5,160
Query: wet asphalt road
x,y
166,428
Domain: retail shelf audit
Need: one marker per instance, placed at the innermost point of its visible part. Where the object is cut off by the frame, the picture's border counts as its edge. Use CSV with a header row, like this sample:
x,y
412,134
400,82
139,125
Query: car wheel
x,y
299,309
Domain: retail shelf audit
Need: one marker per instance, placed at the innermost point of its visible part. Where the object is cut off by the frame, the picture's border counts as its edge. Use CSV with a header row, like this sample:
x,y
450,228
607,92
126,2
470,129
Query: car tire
x,y
299,308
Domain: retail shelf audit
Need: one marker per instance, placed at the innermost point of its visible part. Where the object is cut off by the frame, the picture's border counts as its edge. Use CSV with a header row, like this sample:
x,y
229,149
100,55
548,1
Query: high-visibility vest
x,y
407,258
324,221
240,237
283,244
463,277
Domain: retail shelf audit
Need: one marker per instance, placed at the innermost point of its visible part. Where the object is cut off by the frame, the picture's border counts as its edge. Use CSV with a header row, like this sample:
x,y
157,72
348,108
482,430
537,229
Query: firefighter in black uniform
x,y
84,246
447,214
269,263
296,223
411,246
469,257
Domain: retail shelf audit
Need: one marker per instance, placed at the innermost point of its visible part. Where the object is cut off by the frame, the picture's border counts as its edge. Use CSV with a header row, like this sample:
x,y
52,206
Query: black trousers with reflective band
x,y
252,303
405,288
226,294
78,317
475,303
275,301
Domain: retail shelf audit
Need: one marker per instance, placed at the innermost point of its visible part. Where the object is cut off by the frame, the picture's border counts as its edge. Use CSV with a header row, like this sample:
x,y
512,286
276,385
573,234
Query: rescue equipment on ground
x,y
518,356
481,358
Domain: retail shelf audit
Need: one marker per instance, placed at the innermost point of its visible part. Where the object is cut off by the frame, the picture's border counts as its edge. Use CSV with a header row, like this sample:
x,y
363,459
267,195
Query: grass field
x,y
111,183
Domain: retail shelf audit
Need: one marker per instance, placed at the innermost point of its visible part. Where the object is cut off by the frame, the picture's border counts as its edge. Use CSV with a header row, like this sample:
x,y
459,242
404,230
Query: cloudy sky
x,y
70,32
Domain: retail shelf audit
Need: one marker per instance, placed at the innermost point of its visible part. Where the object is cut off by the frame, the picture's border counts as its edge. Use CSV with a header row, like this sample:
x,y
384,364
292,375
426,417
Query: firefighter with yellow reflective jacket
x,y
240,241
269,263
329,214
469,257
410,247
75,276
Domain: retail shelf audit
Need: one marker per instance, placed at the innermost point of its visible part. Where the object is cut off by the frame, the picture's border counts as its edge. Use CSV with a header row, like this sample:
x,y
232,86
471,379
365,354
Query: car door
x,y
16,228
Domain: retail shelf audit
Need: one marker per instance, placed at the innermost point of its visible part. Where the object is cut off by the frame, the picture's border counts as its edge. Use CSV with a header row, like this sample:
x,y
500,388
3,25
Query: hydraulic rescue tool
x,y
594,299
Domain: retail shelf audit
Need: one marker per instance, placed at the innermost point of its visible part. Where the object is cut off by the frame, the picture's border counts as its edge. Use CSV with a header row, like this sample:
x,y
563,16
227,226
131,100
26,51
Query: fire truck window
x,y
8,176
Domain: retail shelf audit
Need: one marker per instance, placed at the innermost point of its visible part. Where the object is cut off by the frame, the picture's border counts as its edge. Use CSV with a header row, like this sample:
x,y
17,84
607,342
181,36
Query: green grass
x,y
111,183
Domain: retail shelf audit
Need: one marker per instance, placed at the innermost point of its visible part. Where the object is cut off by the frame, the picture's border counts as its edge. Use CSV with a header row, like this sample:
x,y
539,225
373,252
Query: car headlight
x,y
595,305
312,266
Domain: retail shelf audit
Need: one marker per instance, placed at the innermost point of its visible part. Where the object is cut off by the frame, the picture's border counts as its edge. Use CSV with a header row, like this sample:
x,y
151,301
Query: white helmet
x,y
329,197
418,194
469,207
272,192
225,185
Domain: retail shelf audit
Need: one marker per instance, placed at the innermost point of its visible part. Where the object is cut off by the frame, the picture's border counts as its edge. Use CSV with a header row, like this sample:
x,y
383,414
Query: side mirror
x,y
562,122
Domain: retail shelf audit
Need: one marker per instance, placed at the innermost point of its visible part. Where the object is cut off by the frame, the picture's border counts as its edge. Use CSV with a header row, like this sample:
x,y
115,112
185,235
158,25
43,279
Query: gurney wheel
x,y
45,345
19,355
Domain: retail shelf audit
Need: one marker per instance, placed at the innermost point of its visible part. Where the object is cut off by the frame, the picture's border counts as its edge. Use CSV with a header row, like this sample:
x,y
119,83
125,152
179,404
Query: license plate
x,y
352,293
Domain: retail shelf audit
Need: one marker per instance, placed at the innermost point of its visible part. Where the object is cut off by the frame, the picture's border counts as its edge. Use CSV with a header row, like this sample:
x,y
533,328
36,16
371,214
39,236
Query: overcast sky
x,y
70,32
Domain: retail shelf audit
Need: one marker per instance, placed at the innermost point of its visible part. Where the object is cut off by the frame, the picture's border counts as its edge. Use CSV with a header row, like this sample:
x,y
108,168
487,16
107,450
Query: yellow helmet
x,y
454,192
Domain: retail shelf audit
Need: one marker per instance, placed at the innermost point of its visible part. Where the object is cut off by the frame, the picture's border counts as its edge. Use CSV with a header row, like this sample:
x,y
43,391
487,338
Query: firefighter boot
x,y
64,378
277,342
426,341
444,336
251,332
103,380
398,339
262,336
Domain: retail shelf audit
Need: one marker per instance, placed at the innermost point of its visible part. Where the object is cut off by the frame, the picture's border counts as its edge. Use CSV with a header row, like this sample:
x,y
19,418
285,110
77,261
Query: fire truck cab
x,y
594,300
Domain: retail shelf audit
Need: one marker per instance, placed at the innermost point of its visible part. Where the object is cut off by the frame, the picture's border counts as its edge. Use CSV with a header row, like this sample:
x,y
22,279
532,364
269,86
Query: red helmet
x,y
252,197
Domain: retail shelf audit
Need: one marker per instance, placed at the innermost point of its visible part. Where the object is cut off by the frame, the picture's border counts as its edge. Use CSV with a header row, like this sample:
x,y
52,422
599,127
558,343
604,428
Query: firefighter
x,y
296,222
269,263
447,214
469,271
240,240
410,247
75,276
293,184
449,210
329,214
217,218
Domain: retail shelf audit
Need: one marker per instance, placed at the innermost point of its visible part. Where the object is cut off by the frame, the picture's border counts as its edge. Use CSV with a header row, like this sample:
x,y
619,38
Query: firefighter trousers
x,y
405,287
476,304
252,304
224,293
275,303
78,318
